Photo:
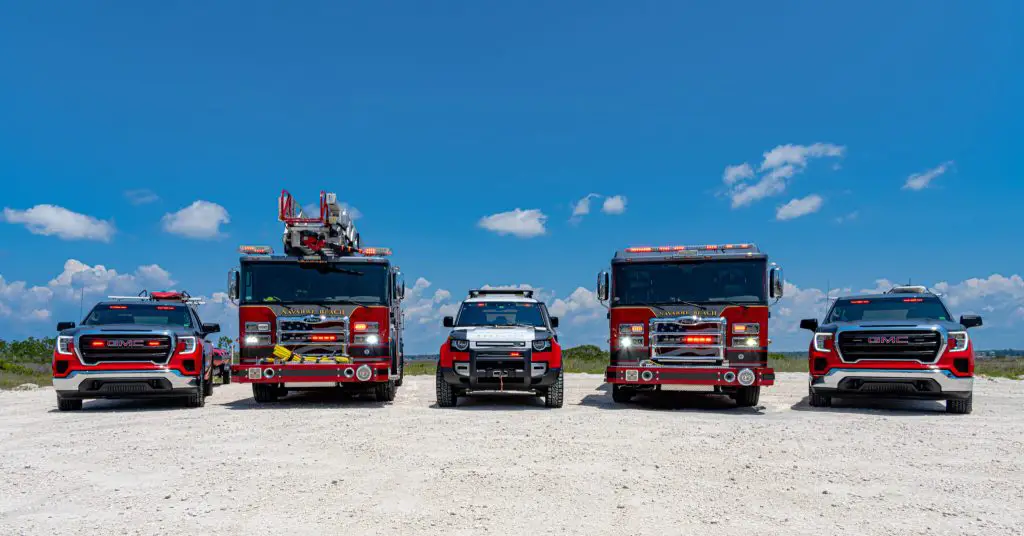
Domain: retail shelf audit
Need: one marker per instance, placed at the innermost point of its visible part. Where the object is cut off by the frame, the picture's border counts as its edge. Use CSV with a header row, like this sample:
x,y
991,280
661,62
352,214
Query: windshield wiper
x,y
346,301
730,302
330,268
682,302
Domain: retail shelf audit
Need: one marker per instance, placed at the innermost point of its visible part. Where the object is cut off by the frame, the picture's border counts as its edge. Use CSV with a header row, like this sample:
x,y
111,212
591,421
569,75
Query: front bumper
x,y
311,374
460,376
713,376
903,383
124,384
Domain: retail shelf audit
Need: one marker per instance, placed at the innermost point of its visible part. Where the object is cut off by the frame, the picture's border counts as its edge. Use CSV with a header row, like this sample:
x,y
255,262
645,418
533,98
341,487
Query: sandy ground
x,y
503,464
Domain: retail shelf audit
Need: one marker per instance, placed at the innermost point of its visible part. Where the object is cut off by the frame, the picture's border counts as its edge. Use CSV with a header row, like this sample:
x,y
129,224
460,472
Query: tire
x,y
555,394
197,399
401,371
960,406
68,404
622,395
264,392
746,397
385,392
816,400
446,397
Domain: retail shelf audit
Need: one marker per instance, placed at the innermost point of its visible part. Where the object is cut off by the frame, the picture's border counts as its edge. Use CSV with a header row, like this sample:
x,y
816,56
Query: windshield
x,y
887,309
139,313
501,314
291,282
652,283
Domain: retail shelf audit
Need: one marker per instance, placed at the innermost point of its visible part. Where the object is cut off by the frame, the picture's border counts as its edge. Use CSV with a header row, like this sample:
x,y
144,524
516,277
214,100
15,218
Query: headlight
x,y
64,345
543,345
626,342
631,329
747,342
460,345
257,326
186,345
746,329
372,339
958,341
257,340
823,342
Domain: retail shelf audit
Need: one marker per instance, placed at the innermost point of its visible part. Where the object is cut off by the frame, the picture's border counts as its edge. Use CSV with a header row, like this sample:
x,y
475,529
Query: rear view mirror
x,y
602,286
554,321
970,321
400,285
233,285
810,324
61,326
449,322
776,284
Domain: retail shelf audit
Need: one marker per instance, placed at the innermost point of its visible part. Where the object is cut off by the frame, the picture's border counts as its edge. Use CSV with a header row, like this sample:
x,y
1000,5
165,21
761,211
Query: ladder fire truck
x,y
326,314
690,318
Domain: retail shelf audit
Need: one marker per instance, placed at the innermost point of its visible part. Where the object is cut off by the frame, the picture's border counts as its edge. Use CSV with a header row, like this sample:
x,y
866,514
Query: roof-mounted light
x,y
256,250
376,252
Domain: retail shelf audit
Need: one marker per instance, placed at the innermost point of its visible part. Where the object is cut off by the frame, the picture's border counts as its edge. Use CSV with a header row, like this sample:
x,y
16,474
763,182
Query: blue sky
x,y
899,128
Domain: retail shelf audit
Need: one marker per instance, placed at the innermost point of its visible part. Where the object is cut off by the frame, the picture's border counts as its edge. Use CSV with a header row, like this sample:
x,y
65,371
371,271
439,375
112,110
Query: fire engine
x,y
326,314
690,318
900,344
150,345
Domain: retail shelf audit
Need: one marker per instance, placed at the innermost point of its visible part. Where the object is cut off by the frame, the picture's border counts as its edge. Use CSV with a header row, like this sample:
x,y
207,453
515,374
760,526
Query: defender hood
x,y
500,333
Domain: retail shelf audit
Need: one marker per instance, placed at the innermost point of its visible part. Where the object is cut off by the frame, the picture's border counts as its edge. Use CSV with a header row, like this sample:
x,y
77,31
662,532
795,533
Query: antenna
x,y
828,296
81,303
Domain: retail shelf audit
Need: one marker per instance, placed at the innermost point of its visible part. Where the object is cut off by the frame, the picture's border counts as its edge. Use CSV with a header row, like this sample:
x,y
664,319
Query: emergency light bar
x,y
182,296
476,293
256,250
376,252
908,289
671,249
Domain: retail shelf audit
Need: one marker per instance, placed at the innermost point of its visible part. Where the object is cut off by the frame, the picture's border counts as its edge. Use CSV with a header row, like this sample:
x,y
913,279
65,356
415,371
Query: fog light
x,y
647,375
746,377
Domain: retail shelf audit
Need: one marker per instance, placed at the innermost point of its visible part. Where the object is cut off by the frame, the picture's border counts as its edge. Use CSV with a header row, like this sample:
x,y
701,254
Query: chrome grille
x,y
312,334
687,340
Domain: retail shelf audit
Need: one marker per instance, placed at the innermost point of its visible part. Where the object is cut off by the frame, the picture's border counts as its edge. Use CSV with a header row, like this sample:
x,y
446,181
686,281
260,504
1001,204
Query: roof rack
x,y
908,289
476,293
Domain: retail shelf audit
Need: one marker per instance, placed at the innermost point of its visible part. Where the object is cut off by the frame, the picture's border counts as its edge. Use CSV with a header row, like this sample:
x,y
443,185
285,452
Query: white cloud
x,y
520,223
579,307
582,207
734,174
799,207
778,166
615,204
920,181
52,220
852,216
201,219
141,197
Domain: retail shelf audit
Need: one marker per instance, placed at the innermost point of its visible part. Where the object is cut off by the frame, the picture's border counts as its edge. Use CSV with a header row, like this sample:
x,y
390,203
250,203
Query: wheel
x,y
68,404
198,398
264,392
446,397
818,401
960,406
385,391
746,397
553,398
621,394
401,371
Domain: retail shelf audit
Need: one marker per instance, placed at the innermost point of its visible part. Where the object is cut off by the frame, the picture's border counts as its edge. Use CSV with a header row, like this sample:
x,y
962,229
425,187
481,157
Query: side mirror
x,y
776,284
554,321
209,329
970,321
810,324
400,285
233,285
602,286
61,326
449,322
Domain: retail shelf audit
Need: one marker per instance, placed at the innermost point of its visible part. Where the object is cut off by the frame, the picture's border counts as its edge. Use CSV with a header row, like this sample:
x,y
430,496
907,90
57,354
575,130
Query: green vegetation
x,y
1000,367
15,374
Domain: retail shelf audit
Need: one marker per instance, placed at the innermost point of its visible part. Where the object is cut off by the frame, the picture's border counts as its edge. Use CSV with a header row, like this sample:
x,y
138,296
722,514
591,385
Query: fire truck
x,y
326,314
690,318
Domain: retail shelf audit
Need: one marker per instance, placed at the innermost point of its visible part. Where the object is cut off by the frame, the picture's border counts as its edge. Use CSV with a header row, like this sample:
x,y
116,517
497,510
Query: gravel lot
x,y
503,464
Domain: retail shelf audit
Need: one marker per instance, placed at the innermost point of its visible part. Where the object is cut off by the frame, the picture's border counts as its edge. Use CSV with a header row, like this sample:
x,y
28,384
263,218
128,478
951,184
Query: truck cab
x,y
150,345
501,340
903,343
689,318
